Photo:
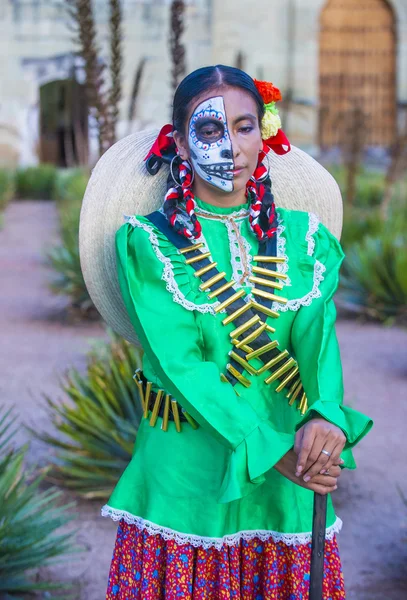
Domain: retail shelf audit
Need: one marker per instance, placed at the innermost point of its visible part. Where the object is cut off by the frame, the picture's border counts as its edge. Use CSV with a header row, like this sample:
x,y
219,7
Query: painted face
x,y
210,145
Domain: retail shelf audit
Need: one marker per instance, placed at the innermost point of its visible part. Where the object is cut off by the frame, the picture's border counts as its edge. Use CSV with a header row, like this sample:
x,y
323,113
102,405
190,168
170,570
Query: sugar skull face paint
x,y
210,145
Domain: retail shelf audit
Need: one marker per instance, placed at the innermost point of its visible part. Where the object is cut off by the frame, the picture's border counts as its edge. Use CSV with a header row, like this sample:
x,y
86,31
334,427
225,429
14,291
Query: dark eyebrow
x,y
244,117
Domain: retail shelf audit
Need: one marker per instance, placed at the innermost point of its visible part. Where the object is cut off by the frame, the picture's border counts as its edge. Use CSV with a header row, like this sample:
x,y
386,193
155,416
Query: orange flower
x,y
268,91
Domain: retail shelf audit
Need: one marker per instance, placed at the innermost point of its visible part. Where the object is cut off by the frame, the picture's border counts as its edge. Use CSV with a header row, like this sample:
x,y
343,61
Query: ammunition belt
x,y
245,315
161,404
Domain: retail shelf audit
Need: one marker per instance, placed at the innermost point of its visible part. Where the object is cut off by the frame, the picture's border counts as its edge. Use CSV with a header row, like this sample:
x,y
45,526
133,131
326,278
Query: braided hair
x,y
179,204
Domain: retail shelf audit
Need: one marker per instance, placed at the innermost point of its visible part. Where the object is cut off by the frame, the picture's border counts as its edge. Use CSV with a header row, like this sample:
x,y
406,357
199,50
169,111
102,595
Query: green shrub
x,y
6,188
97,428
70,185
36,183
374,273
64,259
369,185
29,520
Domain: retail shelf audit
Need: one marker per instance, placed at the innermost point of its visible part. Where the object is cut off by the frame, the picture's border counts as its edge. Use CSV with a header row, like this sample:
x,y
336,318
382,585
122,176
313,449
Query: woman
x,y
231,299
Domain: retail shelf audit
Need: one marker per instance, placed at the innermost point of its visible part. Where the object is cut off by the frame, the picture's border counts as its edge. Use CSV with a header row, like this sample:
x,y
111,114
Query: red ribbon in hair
x,y
276,143
164,141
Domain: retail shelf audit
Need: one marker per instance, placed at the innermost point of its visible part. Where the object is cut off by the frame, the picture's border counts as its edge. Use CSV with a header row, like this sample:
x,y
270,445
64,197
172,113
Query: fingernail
x,y
336,487
322,472
307,478
299,469
342,461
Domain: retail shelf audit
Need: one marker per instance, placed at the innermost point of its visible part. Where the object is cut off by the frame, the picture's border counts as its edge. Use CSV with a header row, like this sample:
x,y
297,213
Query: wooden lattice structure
x,y
357,69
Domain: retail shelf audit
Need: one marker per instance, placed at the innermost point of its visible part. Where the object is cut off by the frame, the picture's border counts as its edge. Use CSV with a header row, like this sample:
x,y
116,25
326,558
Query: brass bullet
x,y
224,378
175,412
238,313
297,390
190,420
304,406
243,380
271,329
261,281
156,408
262,350
195,259
273,362
264,309
269,272
252,336
244,348
190,248
287,379
203,270
276,259
212,281
140,392
147,398
269,296
236,332
302,403
283,369
230,300
243,362
164,424
292,388
221,289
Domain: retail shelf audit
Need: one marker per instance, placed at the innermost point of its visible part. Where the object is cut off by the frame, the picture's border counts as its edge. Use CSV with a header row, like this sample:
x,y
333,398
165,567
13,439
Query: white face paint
x,y
210,145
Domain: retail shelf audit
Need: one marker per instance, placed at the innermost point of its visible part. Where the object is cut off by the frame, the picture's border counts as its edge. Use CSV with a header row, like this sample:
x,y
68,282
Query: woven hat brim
x,y
121,186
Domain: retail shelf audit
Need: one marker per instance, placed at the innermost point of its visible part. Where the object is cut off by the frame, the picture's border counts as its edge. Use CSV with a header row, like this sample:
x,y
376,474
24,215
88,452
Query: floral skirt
x,y
147,567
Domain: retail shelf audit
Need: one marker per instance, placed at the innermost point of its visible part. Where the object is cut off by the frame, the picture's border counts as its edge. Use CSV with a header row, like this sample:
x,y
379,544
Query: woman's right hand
x,y
322,484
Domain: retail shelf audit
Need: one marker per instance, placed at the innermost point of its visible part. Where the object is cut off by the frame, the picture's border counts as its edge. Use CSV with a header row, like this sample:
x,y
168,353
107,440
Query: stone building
x,y
326,56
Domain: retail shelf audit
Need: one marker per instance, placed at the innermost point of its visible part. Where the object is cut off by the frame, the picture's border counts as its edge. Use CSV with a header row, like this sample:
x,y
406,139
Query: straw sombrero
x,y
120,185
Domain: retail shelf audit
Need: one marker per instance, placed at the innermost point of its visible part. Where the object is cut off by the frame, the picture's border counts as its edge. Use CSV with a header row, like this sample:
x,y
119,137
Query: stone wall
x,y
279,41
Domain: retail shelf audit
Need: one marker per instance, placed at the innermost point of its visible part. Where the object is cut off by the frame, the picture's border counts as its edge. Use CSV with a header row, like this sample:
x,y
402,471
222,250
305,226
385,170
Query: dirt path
x,y
38,345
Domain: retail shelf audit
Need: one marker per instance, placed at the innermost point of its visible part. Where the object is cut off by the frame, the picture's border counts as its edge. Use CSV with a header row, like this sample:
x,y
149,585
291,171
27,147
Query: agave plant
x,y
29,520
99,423
374,275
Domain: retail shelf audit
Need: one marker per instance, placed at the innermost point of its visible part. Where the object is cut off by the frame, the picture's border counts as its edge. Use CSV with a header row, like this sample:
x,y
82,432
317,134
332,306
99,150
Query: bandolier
x,y
250,338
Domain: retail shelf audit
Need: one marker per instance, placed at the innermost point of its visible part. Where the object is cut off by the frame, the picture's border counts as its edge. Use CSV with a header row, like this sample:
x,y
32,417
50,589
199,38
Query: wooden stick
x,y
317,547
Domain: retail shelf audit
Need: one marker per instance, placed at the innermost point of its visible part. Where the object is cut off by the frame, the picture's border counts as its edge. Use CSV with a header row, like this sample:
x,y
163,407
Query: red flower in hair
x,y
268,91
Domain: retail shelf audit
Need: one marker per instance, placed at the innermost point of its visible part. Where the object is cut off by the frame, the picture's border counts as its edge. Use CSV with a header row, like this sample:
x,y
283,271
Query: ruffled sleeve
x,y
171,338
317,350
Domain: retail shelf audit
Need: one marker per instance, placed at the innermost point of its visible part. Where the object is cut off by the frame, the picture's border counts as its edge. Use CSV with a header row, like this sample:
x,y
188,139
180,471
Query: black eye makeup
x,y
209,130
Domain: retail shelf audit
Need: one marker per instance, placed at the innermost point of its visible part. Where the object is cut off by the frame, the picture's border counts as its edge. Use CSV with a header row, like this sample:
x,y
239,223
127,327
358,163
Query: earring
x,y
177,183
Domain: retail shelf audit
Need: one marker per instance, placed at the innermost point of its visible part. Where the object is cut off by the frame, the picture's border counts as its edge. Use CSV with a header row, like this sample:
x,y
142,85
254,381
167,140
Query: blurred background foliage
x,y
31,519
96,427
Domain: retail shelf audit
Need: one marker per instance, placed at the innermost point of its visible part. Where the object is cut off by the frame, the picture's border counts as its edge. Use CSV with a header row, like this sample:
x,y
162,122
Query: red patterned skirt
x,y
148,567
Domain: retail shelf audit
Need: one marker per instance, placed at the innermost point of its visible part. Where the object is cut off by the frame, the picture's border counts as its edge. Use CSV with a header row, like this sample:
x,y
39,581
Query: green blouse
x,y
216,483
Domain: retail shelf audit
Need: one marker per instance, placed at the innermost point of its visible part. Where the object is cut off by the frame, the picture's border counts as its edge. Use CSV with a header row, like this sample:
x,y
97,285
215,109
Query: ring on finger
x,y
326,452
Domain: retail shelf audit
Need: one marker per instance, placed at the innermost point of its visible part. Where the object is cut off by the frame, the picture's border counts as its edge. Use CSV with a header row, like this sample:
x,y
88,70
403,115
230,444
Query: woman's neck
x,y
211,195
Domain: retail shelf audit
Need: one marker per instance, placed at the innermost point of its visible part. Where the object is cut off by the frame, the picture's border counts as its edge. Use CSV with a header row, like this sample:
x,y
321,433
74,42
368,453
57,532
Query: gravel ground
x,y
39,343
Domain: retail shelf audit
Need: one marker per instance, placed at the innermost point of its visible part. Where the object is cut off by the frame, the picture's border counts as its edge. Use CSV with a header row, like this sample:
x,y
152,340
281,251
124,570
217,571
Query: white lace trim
x,y
306,300
236,256
281,241
313,221
290,539
168,272
319,268
238,214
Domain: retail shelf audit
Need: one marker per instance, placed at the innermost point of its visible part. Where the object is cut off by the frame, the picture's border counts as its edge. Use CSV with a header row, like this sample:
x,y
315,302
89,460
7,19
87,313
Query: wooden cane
x,y
317,547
